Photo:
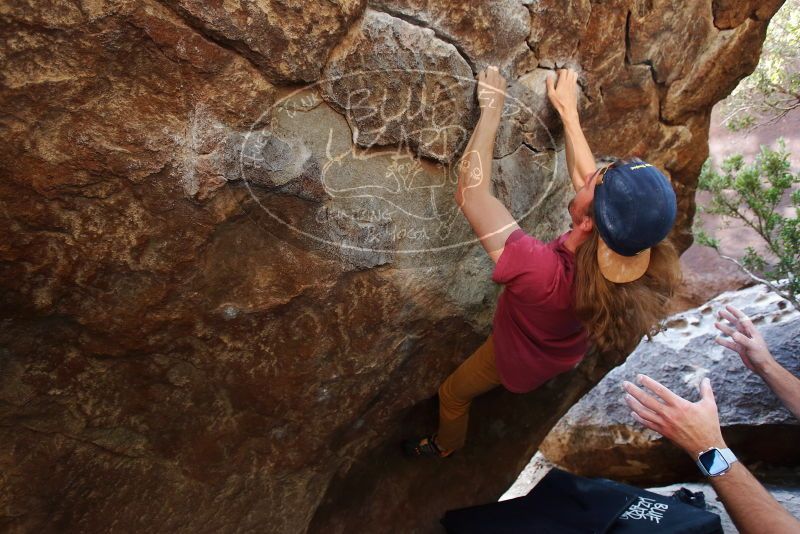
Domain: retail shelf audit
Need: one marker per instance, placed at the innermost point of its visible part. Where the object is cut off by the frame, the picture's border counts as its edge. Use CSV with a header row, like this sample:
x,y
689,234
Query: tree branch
x,y
764,281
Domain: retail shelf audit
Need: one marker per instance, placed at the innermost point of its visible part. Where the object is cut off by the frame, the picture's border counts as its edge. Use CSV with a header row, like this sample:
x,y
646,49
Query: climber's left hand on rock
x,y
563,93
491,92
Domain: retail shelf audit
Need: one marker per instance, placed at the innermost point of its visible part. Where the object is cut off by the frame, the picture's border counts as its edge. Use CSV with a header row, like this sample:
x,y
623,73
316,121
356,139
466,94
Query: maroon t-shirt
x,y
536,332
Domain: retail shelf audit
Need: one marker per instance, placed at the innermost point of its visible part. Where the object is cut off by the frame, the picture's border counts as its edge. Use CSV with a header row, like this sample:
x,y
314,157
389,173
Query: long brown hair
x,y
618,315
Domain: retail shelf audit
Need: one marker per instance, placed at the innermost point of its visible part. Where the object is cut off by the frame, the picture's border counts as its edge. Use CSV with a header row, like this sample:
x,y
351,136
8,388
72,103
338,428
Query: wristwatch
x,y
715,462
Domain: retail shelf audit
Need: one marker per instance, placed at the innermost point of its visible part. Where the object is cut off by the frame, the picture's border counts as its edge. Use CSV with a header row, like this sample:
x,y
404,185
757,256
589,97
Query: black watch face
x,y
714,462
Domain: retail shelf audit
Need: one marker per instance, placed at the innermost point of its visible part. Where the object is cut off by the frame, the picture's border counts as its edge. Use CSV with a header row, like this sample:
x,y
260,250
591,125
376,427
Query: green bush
x,y
750,193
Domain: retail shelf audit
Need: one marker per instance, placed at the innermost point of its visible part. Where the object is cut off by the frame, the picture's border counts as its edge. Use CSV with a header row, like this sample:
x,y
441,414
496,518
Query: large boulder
x,y
598,437
233,273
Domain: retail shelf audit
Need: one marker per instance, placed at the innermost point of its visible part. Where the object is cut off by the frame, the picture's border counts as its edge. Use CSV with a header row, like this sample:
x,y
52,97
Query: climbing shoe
x,y
425,446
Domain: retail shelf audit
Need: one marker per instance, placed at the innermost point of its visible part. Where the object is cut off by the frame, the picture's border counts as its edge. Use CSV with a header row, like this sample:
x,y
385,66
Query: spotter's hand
x,y
692,426
745,339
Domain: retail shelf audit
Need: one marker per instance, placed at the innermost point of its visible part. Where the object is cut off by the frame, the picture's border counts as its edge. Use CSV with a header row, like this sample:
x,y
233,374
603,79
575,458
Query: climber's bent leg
x,y
476,375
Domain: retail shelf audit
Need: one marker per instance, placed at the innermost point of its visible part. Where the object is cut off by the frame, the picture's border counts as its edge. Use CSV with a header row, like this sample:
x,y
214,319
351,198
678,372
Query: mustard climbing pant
x,y
476,375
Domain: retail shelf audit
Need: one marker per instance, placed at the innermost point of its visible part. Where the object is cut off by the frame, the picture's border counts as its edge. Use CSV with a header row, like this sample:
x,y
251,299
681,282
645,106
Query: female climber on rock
x,y
607,281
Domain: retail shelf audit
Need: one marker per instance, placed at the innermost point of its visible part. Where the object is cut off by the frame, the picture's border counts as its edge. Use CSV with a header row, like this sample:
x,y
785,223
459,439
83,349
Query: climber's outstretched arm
x,y
563,95
489,218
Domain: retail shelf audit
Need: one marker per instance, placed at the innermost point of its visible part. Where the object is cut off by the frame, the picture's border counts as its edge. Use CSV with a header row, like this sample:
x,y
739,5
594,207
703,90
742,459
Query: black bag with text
x,y
563,503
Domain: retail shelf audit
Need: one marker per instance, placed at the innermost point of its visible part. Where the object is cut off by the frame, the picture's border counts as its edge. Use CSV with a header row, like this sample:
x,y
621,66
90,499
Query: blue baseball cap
x,y
634,209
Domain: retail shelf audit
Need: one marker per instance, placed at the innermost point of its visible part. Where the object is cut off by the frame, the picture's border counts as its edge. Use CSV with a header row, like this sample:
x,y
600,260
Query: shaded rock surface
x,y
598,437
226,296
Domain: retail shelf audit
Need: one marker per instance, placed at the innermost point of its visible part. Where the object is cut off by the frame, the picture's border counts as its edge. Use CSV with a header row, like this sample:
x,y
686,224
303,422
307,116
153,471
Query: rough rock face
x,y
226,295
598,437
289,41
375,74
